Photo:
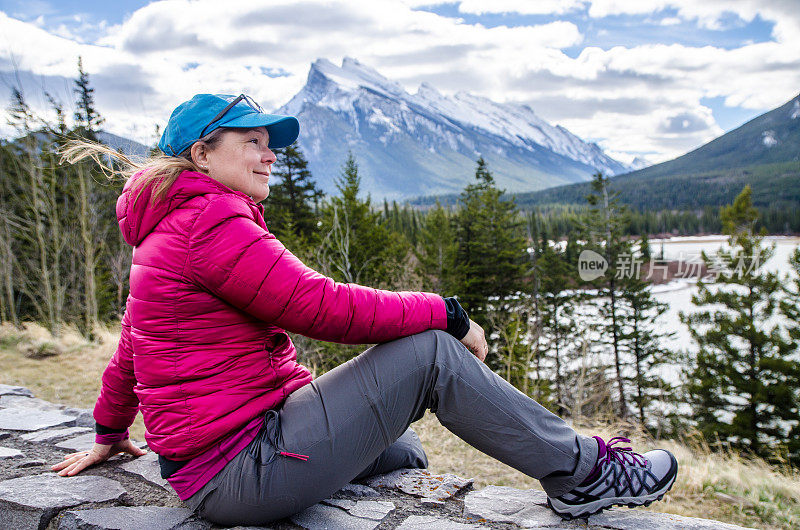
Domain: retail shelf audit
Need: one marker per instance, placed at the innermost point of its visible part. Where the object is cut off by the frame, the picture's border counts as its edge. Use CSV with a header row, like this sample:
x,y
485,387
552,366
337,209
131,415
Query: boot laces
x,y
622,455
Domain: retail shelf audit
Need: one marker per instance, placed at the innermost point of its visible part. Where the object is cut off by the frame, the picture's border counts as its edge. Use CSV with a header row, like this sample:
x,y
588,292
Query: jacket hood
x,y
136,221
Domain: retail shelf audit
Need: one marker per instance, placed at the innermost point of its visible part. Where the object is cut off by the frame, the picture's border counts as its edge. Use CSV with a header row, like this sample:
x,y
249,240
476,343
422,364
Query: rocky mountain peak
x,y
354,107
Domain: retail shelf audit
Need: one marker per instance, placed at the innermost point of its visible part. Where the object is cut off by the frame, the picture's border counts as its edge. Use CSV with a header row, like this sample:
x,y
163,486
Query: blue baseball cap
x,y
193,119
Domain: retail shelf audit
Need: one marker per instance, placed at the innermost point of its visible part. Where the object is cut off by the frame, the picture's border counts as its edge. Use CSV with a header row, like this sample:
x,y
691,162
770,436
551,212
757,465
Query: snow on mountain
x,y
428,139
638,163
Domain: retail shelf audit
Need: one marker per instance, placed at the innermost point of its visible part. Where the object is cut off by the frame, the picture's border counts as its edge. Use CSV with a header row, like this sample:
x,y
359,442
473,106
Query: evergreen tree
x,y
746,378
558,302
356,246
490,252
435,250
603,228
290,207
790,305
87,119
790,309
644,248
643,343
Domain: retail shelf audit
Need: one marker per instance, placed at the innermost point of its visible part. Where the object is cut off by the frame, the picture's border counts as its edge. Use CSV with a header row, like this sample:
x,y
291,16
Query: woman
x,y
243,434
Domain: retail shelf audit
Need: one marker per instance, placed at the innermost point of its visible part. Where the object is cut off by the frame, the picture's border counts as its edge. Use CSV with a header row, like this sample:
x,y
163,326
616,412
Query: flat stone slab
x,y
30,463
324,517
636,519
85,417
147,467
50,434
375,510
17,401
421,483
430,522
25,419
8,390
525,508
409,499
359,490
30,502
8,452
84,442
134,517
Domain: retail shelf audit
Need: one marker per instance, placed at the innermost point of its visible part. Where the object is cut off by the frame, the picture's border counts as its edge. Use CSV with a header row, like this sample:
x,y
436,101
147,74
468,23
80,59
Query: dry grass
x,y
65,370
715,485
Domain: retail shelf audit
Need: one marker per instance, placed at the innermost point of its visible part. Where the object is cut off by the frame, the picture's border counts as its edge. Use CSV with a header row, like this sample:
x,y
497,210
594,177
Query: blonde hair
x,y
159,171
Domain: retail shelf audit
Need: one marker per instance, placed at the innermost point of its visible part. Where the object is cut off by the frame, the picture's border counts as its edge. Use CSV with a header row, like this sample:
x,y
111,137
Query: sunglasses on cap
x,y
241,97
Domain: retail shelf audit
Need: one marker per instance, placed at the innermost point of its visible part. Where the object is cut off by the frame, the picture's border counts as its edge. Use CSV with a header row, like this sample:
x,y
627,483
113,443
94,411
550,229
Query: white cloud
x,y
523,7
670,21
710,13
636,99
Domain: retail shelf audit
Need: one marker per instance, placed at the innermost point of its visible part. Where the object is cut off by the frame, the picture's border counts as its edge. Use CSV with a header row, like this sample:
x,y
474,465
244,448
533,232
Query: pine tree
x,y
558,302
290,207
790,309
87,119
644,248
603,230
435,250
790,305
644,344
92,198
490,253
356,246
746,379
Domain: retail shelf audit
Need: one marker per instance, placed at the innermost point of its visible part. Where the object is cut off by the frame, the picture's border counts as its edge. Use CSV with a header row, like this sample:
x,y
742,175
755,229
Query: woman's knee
x,y
438,347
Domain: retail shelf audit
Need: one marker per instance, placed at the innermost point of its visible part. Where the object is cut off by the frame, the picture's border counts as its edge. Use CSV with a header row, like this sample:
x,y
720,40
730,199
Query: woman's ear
x,y
200,154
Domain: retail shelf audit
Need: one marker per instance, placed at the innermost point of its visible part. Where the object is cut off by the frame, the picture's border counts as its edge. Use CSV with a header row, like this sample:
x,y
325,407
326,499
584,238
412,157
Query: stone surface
x,y
421,483
405,499
50,434
17,401
324,517
84,417
8,452
430,522
375,510
525,508
30,502
8,390
30,463
358,490
84,442
24,419
133,517
636,519
147,467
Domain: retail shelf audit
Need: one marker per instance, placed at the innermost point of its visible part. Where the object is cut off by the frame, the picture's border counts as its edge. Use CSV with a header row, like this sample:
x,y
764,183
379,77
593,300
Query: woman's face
x,y
242,161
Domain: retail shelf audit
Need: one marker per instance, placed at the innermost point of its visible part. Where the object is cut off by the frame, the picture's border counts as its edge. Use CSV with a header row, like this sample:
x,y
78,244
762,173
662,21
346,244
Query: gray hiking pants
x,y
352,422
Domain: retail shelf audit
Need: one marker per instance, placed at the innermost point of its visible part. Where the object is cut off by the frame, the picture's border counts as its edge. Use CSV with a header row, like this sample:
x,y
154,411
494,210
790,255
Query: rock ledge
x,y
127,493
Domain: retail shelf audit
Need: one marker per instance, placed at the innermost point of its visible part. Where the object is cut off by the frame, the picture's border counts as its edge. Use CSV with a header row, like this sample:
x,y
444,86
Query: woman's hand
x,y
475,341
74,463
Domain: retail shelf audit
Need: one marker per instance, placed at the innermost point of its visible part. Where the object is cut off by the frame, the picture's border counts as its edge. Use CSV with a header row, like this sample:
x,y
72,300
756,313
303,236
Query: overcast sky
x,y
649,78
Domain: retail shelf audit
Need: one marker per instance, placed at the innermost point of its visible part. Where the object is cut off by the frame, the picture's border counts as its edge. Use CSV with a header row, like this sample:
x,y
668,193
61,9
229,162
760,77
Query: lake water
x,y
678,293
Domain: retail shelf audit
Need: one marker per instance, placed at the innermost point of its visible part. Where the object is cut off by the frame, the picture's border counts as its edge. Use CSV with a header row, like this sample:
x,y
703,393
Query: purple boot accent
x,y
619,477
595,472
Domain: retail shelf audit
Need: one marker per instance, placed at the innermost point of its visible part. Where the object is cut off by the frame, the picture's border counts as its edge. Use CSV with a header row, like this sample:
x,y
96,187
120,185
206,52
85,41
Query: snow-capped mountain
x,y
427,143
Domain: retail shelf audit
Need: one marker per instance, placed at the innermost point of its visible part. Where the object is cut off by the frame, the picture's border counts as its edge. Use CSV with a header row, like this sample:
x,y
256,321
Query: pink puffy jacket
x,y
203,348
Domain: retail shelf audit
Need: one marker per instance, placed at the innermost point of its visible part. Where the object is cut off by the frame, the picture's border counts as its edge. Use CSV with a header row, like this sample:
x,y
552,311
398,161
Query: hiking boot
x,y
620,477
